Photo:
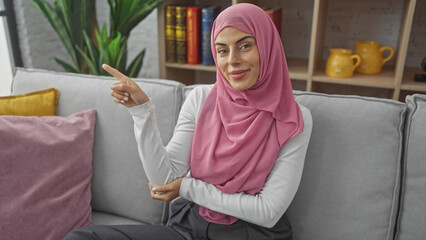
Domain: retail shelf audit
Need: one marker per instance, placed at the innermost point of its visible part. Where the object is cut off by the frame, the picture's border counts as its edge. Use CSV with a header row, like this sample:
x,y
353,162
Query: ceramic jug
x,y
371,53
341,63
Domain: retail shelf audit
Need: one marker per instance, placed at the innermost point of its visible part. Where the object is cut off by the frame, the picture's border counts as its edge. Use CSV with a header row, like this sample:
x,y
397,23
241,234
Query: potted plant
x,y
76,24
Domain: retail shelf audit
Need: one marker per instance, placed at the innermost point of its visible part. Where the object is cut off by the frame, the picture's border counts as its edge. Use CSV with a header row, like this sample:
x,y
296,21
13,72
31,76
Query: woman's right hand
x,y
126,91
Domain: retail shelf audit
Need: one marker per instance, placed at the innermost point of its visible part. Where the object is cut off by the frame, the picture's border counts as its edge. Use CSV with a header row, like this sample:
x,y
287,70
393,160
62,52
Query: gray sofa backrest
x,y
350,184
412,221
364,175
119,184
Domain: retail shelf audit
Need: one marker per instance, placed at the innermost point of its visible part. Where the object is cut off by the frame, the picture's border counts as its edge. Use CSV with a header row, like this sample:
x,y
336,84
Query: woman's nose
x,y
234,57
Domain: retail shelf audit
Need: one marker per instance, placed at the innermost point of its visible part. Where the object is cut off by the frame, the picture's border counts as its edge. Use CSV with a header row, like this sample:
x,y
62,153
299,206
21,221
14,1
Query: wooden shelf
x,y
408,82
192,67
298,68
311,70
386,79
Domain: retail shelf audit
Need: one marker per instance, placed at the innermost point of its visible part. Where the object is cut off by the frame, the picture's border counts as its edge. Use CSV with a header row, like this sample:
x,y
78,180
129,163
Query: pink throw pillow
x,y
45,175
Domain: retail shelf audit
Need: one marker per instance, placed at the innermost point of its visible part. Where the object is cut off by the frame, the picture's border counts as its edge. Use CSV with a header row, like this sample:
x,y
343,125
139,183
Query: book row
x,y
188,31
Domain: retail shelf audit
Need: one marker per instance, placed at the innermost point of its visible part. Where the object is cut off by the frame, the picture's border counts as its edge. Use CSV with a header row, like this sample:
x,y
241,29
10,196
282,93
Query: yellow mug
x,y
371,53
341,63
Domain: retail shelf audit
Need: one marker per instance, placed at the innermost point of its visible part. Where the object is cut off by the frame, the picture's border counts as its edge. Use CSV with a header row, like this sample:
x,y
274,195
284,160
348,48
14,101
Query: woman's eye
x,y
245,46
221,51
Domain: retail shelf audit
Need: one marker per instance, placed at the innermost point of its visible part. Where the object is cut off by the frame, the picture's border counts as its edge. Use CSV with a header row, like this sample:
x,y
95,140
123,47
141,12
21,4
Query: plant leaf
x,y
113,16
124,11
136,65
114,49
122,57
132,14
102,61
93,52
89,47
66,66
102,48
104,35
90,64
63,9
56,22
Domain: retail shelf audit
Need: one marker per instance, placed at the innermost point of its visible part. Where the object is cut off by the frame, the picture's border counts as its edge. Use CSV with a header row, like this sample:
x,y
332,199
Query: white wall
x,y
5,64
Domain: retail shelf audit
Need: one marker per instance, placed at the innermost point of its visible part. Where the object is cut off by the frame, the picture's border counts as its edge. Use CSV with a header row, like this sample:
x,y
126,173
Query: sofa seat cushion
x,y
413,208
119,184
349,187
45,175
103,218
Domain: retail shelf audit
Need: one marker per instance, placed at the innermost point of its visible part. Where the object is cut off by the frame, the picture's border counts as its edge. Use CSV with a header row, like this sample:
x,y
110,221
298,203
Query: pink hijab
x,y
239,133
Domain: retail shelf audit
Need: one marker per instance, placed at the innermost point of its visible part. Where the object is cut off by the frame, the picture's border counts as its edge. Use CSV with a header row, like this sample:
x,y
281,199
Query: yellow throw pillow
x,y
39,103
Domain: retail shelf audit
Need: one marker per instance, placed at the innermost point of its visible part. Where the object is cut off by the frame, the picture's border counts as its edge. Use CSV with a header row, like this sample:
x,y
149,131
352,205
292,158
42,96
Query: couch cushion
x,y
102,218
349,188
413,208
38,103
45,173
119,185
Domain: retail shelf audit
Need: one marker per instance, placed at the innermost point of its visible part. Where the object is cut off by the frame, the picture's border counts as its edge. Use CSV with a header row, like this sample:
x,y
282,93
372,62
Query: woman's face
x,y
237,58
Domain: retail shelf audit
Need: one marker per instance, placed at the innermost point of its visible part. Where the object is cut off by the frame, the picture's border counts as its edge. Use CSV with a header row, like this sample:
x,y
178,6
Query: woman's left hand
x,y
166,192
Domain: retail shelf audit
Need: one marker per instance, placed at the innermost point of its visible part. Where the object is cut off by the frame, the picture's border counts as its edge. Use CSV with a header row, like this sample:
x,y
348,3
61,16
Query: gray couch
x,y
364,175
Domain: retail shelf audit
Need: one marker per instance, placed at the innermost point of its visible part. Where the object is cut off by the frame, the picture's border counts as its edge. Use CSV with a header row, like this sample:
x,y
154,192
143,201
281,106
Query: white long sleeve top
x,y
163,164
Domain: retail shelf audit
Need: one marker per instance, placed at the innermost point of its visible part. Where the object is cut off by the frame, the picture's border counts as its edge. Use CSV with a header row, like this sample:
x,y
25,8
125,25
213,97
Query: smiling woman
x,y
236,157
237,58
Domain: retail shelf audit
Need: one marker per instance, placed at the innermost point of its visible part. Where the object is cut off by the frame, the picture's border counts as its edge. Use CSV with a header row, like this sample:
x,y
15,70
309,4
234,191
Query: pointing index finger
x,y
114,72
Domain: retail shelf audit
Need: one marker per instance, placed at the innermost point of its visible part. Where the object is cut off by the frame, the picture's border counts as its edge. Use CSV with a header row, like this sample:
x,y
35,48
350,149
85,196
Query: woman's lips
x,y
238,74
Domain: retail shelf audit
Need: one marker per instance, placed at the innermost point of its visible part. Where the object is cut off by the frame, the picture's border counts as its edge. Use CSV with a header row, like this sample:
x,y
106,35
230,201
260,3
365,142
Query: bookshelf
x,y
308,71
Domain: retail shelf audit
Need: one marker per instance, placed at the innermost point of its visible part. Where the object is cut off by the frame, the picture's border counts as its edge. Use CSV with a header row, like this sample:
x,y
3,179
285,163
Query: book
x,y
208,15
193,35
275,15
180,30
170,34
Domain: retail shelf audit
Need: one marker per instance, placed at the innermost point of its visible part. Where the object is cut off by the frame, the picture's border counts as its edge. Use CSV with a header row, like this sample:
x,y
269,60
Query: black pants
x,y
185,223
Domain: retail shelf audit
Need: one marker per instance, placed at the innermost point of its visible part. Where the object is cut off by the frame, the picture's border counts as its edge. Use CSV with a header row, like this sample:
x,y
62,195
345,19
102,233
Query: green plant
x,y
76,24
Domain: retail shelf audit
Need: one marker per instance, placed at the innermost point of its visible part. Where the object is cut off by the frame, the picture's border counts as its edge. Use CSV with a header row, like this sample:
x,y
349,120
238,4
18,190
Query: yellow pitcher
x,y
341,63
371,54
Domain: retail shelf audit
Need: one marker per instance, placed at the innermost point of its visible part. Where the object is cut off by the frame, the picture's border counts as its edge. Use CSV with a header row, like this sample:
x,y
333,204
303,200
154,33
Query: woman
x,y
238,150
